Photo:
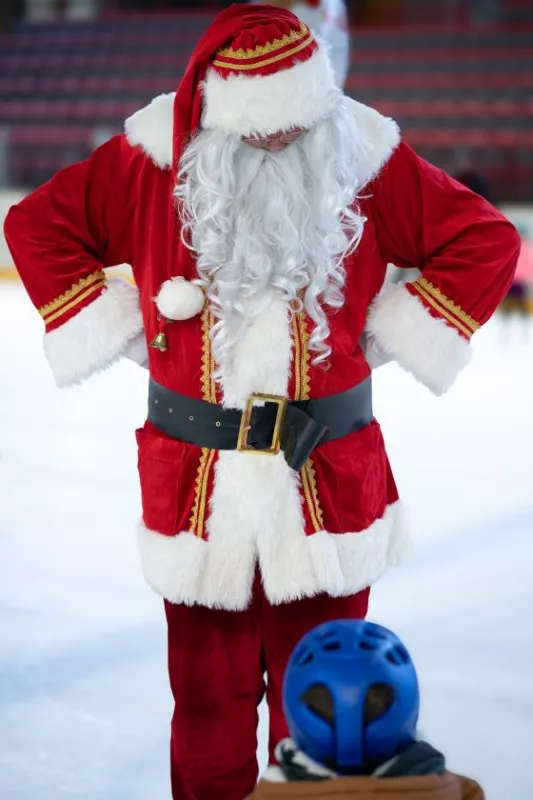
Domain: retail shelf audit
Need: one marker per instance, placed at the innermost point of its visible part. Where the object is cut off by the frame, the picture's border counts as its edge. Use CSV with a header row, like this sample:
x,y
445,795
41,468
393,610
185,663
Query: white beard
x,y
261,222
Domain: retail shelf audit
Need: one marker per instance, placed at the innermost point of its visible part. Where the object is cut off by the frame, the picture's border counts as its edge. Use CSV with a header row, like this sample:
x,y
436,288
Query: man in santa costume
x,y
259,208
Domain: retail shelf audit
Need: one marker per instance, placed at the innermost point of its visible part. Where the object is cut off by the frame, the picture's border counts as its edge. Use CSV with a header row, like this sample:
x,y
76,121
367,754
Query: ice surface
x,y
84,702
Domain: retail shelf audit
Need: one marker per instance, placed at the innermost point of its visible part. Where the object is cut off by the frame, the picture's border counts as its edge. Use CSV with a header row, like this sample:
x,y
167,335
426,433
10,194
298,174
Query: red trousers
x,y
217,664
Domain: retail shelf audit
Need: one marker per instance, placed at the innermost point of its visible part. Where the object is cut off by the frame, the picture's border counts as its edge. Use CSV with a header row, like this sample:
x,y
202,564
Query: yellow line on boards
x,y
9,274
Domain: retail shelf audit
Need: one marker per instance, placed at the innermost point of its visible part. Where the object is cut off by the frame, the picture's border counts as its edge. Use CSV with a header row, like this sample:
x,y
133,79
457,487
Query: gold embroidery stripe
x,y
197,519
307,495
265,49
297,358
193,521
448,304
311,495
74,303
203,494
306,379
212,382
71,293
442,311
205,357
267,61
198,489
447,312
302,392
208,383
314,492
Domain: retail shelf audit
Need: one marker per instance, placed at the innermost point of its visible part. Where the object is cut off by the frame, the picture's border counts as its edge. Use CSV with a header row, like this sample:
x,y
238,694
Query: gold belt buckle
x,y
246,424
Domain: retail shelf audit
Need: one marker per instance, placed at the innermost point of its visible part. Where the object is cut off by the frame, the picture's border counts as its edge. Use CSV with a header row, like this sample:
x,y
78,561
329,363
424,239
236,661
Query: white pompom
x,y
179,299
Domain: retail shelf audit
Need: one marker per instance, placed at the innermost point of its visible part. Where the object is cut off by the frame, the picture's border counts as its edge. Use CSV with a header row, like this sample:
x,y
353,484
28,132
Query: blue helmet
x,y
348,661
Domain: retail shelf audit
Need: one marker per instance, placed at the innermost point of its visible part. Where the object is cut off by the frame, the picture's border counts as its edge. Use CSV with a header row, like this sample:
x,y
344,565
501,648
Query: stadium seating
x,y
65,88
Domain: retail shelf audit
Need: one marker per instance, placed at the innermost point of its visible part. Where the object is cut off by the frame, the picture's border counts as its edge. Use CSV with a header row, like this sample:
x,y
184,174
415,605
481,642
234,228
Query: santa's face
x,y
277,142
272,215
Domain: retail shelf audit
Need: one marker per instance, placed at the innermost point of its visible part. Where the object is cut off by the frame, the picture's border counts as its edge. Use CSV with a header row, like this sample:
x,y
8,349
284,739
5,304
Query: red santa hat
x,y
257,69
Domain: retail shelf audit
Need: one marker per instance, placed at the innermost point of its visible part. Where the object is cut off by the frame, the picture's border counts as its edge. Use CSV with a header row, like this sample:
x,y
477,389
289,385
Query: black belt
x,y
268,424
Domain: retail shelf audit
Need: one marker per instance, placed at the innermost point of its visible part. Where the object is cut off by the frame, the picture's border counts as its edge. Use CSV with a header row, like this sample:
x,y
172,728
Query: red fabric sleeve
x,y
467,251
63,234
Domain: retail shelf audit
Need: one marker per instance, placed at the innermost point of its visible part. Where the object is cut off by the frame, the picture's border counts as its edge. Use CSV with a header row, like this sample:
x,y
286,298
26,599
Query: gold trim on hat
x,y
265,49
267,61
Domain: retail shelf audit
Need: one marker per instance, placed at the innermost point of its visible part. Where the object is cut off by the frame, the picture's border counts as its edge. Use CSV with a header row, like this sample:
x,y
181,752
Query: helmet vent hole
x,y
331,646
374,633
365,645
398,655
304,658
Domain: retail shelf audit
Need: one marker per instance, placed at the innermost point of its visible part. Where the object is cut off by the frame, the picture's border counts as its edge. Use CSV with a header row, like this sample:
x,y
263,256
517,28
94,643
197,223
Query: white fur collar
x,y
151,129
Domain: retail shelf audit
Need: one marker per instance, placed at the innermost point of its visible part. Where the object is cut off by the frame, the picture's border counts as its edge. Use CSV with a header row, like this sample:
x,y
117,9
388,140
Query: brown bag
x,y
427,787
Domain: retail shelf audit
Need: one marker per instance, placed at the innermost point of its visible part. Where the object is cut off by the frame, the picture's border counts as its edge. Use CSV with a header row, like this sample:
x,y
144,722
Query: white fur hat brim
x,y
296,97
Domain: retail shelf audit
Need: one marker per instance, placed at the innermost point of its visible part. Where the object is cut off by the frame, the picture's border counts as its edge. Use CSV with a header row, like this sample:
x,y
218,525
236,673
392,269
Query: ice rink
x,y
84,703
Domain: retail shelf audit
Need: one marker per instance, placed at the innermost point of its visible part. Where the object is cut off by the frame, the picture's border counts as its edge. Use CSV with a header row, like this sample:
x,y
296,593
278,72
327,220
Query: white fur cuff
x,y
137,350
97,336
428,348
375,357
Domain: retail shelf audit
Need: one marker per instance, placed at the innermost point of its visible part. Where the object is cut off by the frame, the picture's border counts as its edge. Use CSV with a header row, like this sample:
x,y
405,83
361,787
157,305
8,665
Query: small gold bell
x,y
160,342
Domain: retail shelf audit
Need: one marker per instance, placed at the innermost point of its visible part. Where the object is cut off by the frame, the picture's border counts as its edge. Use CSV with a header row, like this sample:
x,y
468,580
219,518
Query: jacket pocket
x,y
352,479
167,474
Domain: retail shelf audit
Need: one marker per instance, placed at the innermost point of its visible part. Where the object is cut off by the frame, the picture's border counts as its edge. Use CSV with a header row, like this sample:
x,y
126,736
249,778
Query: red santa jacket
x,y
209,517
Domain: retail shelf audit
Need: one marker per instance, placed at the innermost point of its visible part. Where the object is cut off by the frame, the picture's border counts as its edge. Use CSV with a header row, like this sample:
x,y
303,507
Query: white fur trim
x,y
151,129
292,98
172,565
339,564
375,358
427,347
219,573
257,516
97,336
379,137
137,350
179,299
261,359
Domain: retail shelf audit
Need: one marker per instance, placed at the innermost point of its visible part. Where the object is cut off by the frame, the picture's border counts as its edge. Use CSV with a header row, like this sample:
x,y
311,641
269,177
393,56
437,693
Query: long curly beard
x,y
262,222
